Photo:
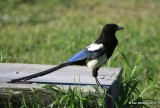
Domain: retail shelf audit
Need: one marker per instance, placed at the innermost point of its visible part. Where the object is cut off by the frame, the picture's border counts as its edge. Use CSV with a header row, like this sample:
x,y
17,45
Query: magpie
x,y
94,56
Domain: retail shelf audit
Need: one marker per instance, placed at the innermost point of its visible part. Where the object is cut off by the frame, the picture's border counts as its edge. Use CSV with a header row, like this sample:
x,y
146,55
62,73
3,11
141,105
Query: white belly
x,y
97,62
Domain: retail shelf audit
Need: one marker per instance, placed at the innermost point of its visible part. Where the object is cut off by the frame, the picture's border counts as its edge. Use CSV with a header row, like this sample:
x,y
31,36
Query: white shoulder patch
x,y
94,47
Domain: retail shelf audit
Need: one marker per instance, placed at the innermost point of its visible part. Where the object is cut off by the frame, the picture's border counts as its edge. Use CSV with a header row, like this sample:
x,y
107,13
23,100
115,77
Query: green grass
x,y
48,96
49,32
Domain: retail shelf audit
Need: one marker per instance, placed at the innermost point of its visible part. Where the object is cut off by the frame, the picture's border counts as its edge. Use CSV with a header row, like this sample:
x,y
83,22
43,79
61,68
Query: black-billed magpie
x,y
94,56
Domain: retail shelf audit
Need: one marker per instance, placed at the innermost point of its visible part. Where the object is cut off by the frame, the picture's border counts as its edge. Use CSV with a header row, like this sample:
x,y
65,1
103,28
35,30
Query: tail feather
x,y
40,73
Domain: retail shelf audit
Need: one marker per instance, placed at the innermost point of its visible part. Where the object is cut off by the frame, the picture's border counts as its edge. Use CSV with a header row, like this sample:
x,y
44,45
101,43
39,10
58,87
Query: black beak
x,y
120,28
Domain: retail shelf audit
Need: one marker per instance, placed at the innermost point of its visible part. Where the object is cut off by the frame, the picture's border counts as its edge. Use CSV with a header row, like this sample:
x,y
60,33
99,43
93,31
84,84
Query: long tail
x,y
40,73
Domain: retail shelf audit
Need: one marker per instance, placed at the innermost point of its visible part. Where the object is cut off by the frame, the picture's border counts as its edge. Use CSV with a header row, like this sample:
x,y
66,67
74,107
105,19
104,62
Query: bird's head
x,y
108,33
112,28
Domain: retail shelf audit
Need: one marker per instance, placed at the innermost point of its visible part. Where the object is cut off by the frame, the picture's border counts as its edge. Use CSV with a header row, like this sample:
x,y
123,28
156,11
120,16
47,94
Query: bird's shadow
x,y
57,83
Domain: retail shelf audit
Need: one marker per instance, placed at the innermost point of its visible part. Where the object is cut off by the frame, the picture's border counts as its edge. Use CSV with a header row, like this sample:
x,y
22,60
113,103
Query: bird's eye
x,y
110,27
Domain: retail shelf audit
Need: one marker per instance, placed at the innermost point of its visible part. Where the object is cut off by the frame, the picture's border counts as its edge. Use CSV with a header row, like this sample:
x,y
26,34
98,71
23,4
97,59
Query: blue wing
x,y
79,56
86,54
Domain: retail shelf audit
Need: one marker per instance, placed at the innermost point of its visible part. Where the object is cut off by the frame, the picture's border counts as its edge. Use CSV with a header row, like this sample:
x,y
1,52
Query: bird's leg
x,y
95,74
97,81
